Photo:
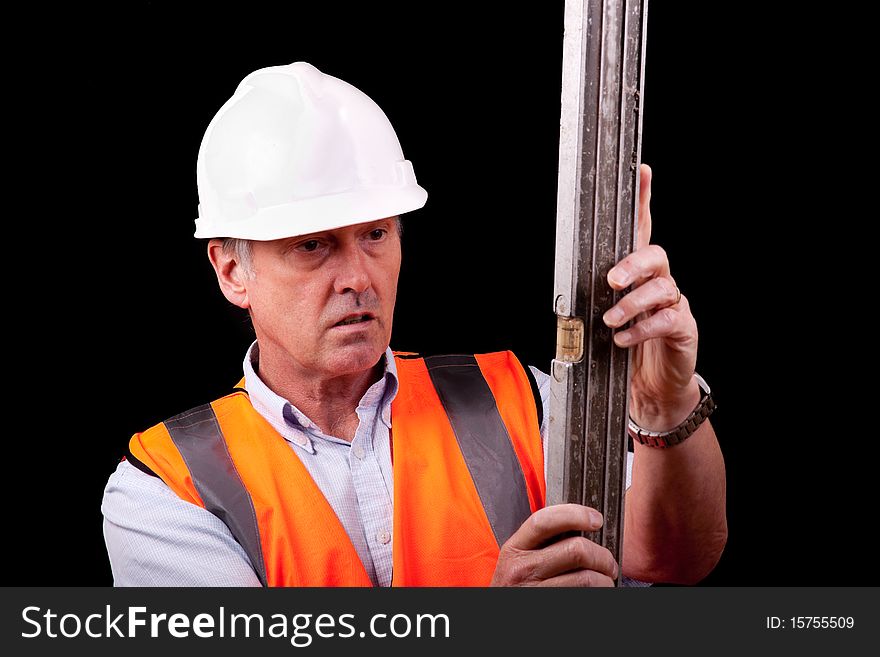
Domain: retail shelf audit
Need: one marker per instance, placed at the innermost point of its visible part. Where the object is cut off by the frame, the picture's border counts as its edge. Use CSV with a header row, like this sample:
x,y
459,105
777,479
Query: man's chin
x,y
354,358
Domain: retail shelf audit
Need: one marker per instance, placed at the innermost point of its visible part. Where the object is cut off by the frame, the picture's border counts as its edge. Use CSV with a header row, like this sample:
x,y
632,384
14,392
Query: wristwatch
x,y
682,431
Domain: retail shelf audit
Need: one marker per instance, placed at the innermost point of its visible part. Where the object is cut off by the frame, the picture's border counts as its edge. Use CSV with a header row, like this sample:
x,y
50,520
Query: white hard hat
x,y
295,151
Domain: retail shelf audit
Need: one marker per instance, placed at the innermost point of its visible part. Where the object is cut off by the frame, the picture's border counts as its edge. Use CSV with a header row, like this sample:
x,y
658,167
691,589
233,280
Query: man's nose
x,y
352,273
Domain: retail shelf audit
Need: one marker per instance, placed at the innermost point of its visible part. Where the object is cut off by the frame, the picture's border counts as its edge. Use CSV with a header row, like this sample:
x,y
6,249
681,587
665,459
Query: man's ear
x,y
230,274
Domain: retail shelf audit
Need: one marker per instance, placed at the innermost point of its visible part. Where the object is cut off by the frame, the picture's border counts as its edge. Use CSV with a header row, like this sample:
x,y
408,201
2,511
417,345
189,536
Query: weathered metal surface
x,y
596,220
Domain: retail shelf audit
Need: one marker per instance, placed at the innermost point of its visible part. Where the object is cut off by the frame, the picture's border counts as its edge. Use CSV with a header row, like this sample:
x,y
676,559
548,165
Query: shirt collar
x,y
280,412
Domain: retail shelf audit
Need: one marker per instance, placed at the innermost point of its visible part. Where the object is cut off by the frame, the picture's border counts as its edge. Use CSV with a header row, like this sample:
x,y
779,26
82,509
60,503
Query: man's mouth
x,y
354,320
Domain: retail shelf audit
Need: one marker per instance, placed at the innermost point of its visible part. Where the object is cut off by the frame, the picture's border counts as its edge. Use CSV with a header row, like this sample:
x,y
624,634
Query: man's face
x,y
304,287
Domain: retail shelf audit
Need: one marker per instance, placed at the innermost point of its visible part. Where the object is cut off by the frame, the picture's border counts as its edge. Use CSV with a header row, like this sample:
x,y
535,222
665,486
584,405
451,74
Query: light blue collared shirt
x,y
154,538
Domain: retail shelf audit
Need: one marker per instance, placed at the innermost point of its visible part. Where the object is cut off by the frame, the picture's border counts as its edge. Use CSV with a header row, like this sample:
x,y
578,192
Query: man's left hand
x,y
664,335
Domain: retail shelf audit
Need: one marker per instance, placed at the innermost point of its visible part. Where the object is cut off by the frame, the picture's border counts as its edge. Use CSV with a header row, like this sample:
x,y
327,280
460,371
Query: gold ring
x,y
679,296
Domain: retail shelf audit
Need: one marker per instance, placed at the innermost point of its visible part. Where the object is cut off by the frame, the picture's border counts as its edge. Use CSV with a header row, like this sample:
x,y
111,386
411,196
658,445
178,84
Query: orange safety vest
x,y
468,470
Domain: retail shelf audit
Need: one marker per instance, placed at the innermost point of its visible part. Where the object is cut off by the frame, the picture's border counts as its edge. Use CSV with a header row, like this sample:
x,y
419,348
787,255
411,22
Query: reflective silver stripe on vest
x,y
200,442
483,440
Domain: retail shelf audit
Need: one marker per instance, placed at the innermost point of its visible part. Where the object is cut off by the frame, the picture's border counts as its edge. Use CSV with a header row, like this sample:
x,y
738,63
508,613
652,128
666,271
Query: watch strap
x,y
684,430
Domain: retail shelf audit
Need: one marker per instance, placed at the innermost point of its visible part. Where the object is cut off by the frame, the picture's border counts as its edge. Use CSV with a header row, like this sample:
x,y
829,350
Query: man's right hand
x,y
529,559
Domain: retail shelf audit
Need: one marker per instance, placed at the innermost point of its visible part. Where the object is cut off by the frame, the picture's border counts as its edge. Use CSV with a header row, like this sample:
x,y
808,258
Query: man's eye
x,y
311,245
378,233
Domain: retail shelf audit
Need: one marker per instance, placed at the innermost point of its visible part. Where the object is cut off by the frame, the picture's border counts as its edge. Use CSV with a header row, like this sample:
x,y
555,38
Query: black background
x,y
118,322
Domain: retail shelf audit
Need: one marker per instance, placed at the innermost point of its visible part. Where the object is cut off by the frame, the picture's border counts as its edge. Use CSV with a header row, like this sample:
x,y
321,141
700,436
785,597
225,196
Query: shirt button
x,y
383,537
358,452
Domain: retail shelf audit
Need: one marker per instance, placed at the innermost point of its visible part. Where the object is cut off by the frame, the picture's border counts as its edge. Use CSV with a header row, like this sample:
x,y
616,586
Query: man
x,y
339,462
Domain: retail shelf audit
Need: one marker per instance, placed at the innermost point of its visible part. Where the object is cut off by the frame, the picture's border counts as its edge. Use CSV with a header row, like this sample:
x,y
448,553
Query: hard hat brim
x,y
318,214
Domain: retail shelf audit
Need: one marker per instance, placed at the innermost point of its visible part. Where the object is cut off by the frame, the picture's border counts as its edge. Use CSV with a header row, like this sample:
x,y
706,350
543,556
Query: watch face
x,y
703,385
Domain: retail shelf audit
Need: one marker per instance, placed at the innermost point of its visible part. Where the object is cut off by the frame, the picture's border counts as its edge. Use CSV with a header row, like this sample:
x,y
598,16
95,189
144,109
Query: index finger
x,y
551,521
644,222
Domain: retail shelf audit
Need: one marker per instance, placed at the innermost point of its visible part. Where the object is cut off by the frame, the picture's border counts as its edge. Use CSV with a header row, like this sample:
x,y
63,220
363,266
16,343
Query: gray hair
x,y
243,252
